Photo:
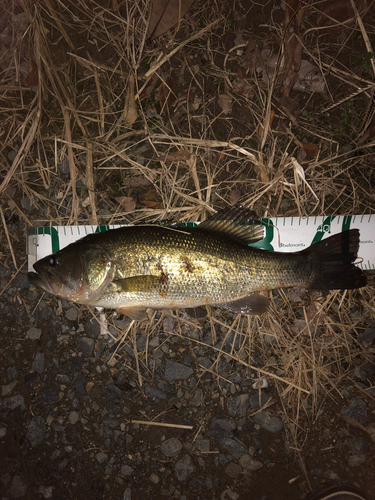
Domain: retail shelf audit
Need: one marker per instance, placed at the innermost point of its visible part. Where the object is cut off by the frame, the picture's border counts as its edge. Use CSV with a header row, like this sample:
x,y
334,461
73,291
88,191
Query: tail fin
x,y
334,257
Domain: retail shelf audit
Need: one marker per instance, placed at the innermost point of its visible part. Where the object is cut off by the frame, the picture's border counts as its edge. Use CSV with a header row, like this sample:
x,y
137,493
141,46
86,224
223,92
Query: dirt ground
x,y
80,145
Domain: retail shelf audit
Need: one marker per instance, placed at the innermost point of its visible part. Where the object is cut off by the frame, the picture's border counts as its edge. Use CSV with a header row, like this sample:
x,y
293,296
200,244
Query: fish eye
x,y
53,261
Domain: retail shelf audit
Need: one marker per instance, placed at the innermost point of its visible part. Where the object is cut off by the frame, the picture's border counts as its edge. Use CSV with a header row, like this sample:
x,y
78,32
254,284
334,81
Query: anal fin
x,y
252,304
135,313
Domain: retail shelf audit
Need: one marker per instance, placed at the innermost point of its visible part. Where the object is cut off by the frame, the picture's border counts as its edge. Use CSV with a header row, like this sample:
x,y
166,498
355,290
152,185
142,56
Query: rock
x,y
73,417
92,328
38,363
356,460
101,457
14,402
233,470
34,333
357,410
86,346
126,470
171,447
202,444
254,400
81,383
155,393
7,389
154,479
267,422
358,445
237,406
368,335
168,325
235,447
184,467
221,428
17,488
49,395
72,314
111,392
176,371
36,431
248,463
197,398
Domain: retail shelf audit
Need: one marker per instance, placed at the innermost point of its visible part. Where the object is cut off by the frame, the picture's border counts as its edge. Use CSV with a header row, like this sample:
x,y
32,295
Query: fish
x,y
133,268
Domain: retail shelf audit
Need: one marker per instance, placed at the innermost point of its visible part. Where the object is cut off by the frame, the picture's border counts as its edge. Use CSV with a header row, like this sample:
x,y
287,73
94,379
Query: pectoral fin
x,y
139,284
252,304
136,313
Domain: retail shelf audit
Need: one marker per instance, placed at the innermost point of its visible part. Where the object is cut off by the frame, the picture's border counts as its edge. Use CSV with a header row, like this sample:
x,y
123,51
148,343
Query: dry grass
x,y
73,134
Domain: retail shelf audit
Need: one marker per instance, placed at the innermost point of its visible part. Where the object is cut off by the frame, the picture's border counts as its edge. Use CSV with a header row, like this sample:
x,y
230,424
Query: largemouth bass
x,y
147,266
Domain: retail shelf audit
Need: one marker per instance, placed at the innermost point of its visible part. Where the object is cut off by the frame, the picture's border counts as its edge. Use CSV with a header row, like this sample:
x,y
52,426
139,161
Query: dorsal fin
x,y
239,223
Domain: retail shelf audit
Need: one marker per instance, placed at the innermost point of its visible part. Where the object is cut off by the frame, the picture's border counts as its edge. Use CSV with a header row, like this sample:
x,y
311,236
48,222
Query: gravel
x,y
67,410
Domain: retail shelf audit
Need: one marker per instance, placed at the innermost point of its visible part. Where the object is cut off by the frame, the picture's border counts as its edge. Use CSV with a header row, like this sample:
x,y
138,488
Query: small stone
x,y
356,460
17,488
237,406
111,392
171,447
268,422
202,444
81,383
7,389
34,333
86,346
184,467
49,395
11,373
72,314
258,402
357,410
101,457
38,363
14,402
233,470
197,399
357,444
126,470
221,428
154,479
176,371
73,417
235,447
248,463
36,431
92,328
368,335
155,393
168,325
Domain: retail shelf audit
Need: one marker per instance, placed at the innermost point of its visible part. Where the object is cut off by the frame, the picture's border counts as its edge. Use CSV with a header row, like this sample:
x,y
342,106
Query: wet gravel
x,y
73,419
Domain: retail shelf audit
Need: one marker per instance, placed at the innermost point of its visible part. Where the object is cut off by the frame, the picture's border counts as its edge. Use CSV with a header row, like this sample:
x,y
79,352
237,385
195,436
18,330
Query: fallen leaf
x,y
166,14
311,149
181,155
128,203
154,205
225,102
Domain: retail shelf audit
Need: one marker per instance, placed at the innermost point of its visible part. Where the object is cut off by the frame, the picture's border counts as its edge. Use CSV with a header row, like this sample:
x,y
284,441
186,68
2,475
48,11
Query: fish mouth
x,y
41,281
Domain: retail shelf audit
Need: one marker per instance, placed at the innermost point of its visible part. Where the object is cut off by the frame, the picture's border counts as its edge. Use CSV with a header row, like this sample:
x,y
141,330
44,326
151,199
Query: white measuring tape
x,y
283,234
